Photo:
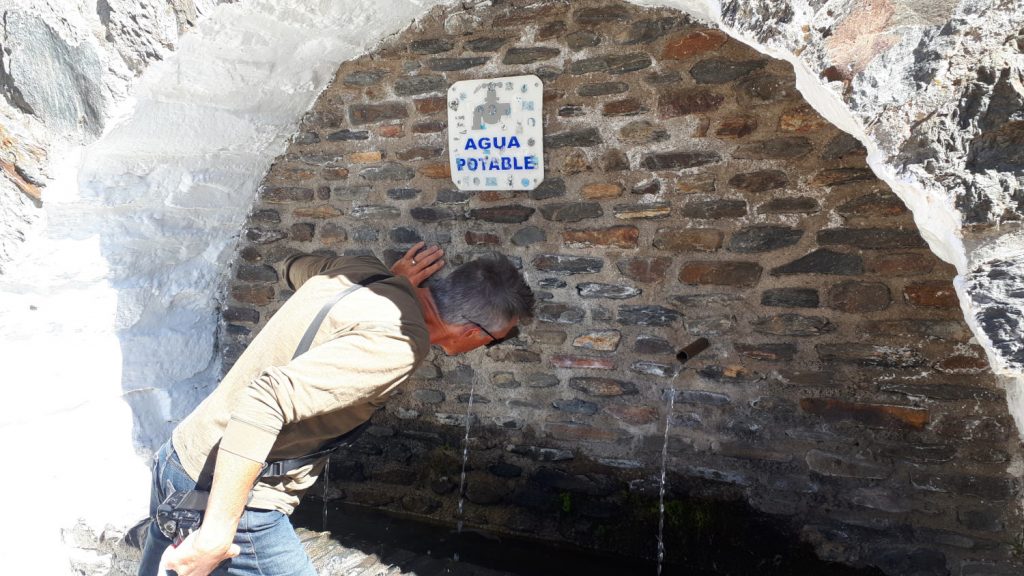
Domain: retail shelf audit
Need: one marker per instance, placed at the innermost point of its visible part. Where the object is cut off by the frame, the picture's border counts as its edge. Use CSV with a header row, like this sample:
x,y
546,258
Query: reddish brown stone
x,y
430,104
437,171
870,415
698,42
331,174
285,175
681,102
551,30
317,212
688,239
635,415
698,185
372,157
258,295
801,120
14,173
720,273
963,364
481,238
736,126
601,190
580,362
360,114
600,340
581,432
552,96
877,204
645,269
494,195
391,131
624,107
759,181
620,236
938,294
837,176
907,264
575,162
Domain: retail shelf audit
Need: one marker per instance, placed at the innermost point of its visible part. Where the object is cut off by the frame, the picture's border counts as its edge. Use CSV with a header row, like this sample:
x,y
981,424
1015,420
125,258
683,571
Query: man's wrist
x,y
211,541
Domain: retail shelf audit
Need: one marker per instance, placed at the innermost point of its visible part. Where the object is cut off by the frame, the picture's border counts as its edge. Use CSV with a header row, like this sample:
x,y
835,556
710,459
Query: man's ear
x,y
467,329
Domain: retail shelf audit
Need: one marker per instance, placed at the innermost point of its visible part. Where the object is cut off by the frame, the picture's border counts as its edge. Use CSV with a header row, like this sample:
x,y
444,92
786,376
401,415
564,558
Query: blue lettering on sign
x,y
487,154
497,142
490,163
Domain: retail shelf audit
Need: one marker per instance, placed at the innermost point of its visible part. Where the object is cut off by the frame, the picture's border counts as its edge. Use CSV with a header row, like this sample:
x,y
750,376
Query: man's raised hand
x,y
419,263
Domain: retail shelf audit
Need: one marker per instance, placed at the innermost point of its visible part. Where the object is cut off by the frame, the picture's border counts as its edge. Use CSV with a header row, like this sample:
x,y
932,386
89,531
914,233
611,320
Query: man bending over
x,y
319,368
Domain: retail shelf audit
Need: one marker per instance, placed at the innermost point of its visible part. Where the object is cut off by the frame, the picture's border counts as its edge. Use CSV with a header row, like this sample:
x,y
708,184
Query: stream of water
x,y
671,393
465,459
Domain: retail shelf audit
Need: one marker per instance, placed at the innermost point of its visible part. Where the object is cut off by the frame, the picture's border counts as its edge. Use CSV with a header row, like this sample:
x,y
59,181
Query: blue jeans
x,y
268,541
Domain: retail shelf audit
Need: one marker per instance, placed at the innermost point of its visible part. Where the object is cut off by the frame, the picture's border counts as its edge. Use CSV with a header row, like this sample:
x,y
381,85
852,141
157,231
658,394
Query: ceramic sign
x,y
496,133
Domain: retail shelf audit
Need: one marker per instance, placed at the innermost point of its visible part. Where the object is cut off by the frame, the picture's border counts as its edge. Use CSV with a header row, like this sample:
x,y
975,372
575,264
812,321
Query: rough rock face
x,y
66,66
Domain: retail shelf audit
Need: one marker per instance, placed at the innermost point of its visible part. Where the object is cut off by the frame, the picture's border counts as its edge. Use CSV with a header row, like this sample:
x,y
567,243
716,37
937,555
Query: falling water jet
x,y
689,351
465,459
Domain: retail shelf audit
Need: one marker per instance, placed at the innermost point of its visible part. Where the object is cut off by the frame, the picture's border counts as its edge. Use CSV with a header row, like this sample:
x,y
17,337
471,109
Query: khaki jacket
x,y
269,407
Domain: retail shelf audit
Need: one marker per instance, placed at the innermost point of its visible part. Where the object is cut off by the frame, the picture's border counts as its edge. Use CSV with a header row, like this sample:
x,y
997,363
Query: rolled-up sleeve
x,y
302,267
351,368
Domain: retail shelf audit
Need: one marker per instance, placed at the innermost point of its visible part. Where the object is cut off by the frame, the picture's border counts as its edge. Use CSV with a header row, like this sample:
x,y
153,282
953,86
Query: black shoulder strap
x,y
314,326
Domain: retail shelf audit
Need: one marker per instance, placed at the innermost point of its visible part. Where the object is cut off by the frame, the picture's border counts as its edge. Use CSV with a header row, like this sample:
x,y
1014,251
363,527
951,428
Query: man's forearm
x,y
233,479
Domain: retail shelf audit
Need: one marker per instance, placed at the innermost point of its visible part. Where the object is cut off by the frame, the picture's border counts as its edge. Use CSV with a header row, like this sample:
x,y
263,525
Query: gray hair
x,y
488,290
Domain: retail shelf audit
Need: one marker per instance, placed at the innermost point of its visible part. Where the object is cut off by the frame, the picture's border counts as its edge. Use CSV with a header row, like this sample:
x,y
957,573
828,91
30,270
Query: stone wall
x,y
690,192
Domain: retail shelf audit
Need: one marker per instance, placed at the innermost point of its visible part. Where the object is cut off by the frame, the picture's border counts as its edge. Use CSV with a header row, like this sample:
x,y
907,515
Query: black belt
x,y
282,467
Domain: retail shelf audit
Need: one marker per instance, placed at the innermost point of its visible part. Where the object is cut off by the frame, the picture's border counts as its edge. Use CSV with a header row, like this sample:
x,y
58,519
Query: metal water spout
x,y
692,349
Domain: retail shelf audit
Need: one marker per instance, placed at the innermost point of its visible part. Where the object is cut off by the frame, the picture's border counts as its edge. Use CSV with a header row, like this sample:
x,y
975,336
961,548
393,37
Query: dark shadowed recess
x,y
702,538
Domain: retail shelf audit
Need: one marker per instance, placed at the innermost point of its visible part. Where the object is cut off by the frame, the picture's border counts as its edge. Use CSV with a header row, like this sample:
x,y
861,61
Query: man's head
x,y
480,303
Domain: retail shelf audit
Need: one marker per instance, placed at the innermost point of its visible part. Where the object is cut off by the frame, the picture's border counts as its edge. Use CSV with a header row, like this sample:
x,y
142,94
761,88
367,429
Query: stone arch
x,y
691,192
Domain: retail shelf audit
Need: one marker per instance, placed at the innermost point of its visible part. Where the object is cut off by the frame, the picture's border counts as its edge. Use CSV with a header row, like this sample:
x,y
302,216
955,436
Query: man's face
x,y
470,336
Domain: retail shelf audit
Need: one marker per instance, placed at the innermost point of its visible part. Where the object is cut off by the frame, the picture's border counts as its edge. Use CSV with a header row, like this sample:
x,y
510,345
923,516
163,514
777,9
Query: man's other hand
x,y
419,263
193,557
